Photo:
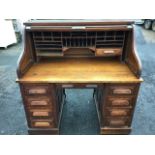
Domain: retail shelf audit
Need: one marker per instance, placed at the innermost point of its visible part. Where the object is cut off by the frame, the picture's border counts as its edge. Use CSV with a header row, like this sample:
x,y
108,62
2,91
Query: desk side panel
x,y
26,58
132,59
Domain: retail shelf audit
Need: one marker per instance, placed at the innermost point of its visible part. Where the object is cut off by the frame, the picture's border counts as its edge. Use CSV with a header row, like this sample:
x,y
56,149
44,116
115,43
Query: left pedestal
x,y
42,104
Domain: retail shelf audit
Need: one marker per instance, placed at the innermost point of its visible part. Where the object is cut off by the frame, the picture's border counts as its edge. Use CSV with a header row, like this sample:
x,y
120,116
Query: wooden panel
x,y
132,58
75,70
25,60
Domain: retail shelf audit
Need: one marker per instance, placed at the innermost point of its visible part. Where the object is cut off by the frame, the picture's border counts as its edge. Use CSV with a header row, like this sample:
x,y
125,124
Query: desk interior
x,y
79,70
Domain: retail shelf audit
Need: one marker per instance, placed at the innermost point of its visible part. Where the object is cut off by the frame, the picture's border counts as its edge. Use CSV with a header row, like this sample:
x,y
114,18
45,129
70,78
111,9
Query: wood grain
x,y
80,70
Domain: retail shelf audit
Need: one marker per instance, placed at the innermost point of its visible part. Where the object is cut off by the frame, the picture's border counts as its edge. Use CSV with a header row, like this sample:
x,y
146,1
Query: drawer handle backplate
x,y
119,102
39,103
37,91
118,113
41,124
122,91
40,113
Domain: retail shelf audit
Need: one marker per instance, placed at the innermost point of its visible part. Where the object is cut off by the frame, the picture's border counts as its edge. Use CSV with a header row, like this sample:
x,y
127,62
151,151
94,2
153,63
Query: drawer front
x,y
122,90
42,123
108,52
120,101
116,122
36,89
36,102
118,112
40,113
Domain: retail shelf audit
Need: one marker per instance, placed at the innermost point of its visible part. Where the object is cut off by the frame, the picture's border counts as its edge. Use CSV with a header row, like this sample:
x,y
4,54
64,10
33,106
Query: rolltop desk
x,y
86,54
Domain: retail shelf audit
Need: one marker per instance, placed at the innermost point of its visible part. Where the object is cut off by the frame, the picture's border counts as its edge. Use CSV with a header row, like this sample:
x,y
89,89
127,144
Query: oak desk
x,y
59,55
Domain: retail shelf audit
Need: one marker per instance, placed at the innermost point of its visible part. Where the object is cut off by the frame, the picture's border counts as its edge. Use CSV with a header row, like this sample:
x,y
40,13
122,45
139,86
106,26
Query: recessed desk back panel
x,y
84,54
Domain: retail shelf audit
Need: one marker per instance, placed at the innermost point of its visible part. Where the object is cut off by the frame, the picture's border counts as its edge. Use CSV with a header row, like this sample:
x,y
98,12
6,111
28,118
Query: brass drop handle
x,y
40,113
41,124
118,112
39,103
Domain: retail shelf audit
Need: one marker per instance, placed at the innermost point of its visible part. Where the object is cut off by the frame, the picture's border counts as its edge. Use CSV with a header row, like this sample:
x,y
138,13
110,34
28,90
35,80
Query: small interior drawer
x,y
118,112
116,121
37,102
122,89
120,101
36,89
42,123
108,51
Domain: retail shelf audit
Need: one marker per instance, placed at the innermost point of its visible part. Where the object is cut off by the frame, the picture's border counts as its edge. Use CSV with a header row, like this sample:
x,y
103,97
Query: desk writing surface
x,y
79,70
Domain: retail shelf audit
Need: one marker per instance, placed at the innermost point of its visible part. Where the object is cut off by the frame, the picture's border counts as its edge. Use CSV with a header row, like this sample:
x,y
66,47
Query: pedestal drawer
x,y
42,123
122,89
40,113
38,102
117,122
120,101
36,89
118,112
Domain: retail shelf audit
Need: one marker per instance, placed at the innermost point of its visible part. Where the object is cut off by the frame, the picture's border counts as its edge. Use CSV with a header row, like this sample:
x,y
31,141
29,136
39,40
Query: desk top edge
x,y
99,72
78,22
